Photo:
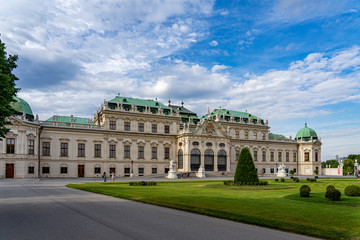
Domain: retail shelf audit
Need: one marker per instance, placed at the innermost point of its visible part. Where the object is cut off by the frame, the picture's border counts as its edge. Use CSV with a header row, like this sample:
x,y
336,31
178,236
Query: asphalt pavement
x,y
46,209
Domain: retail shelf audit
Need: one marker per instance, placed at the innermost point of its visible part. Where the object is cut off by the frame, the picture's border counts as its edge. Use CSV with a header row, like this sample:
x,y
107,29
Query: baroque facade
x,y
130,136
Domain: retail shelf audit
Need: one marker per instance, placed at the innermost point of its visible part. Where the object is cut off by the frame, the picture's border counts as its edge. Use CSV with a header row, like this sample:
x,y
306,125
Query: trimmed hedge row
x,y
142,183
231,183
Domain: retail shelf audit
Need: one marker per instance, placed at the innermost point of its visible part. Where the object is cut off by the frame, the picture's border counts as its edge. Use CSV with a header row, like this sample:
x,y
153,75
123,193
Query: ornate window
x,y
180,160
81,149
154,152
222,145
307,157
154,128
237,154
294,157
279,157
45,170
208,144
263,136
97,170
31,170
264,156
167,153
126,151
113,125
209,160
237,135
97,150
31,147
195,144
316,156
167,129
255,136
112,153
154,170
271,156
141,127
46,148
141,171
63,170
10,145
127,126
221,160
246,135
141,152
64,149
195,160
255,156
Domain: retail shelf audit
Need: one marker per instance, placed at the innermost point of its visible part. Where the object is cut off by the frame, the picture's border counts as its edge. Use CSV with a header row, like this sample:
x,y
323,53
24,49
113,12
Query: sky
x,y
287,61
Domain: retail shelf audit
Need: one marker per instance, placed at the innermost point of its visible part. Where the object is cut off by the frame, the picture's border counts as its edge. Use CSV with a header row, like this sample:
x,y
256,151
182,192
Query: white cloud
x,y
213,43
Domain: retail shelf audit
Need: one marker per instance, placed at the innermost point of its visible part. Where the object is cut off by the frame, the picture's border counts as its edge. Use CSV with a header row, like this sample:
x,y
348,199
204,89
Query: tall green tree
x,y
332,163
245,169
7,87
349,166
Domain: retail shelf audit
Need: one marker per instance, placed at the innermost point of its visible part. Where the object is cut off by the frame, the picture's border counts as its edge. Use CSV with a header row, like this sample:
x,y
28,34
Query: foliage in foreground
x,y
352,191
7,87
245,169
232,183
142,183
333,194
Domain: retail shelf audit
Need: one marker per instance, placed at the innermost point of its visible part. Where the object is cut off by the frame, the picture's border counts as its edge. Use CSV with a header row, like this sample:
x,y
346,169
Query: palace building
x,y
130,136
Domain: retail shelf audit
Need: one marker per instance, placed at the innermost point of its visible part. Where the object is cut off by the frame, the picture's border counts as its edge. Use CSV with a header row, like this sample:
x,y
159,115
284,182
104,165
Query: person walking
x,y
113,177
104,176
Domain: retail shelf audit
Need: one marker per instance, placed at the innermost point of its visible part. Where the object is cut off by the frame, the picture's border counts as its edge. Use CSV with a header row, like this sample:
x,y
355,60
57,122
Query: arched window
x,y
221,160
180,160
195,159
209,160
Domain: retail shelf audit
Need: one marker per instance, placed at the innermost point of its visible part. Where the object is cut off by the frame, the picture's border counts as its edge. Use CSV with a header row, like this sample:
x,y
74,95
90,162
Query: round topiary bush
x,y
333,194
352,191
304,192
282,180
296,180
305,187
276,180
329,187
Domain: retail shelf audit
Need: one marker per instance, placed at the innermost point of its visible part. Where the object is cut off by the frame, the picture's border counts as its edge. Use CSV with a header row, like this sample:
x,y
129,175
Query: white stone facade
x,y
126,140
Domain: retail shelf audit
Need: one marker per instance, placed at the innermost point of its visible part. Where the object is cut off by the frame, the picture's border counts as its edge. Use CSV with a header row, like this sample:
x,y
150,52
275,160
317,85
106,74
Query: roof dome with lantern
x,y
306,134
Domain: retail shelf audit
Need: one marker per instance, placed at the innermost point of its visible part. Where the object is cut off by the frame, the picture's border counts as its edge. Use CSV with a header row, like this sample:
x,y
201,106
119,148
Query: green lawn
x,y
276,205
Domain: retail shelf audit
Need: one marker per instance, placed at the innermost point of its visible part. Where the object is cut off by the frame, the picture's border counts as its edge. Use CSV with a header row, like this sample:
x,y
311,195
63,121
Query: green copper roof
x,y
67,119
236,114
277,136
20,106
306,132
138,102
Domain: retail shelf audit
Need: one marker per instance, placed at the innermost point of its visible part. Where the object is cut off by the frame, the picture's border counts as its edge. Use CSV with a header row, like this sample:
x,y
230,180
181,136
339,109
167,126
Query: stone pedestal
x,y
201,172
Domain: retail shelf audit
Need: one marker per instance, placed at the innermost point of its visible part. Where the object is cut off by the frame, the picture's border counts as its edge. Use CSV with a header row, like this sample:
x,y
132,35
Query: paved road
x,y
48,210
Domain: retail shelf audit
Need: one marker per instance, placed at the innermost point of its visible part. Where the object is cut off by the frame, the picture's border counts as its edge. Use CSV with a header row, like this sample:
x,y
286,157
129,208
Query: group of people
x,y
112,177
357,174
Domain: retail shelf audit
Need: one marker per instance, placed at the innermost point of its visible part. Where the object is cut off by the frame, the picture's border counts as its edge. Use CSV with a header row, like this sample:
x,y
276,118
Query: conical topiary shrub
x,y
245,169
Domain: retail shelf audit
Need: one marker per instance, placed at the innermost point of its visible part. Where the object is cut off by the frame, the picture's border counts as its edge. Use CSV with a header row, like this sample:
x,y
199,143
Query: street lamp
x,y
132,168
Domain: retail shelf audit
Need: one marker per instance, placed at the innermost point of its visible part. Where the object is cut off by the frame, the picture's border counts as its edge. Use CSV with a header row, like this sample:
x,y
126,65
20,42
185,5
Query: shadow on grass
x,y
319,198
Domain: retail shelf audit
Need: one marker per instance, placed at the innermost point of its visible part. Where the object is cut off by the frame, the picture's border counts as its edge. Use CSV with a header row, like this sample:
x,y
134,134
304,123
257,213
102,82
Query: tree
x,y
331,163
245,169
7,87
354,157
349,166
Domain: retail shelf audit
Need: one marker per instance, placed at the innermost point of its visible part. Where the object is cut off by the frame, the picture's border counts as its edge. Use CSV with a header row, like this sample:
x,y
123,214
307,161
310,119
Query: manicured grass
x,y
277,205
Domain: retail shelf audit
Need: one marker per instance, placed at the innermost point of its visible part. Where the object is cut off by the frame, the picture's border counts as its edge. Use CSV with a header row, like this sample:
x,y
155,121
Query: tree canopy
x,y
245,169
7,87
332,163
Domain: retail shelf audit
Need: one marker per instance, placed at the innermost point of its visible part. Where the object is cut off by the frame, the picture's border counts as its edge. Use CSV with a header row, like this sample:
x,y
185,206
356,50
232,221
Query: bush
x,y
296,180
305,187
232,183
304,192
282,180
333,194
245,169
311,179
307,179
142,183
352,191
276,180
329,187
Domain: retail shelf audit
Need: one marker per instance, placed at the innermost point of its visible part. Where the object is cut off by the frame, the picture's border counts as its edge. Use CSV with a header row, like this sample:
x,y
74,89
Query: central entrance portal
x,y
81,170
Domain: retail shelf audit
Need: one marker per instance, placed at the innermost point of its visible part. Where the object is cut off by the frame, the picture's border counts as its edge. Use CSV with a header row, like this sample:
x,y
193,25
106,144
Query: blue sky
x,y
288,61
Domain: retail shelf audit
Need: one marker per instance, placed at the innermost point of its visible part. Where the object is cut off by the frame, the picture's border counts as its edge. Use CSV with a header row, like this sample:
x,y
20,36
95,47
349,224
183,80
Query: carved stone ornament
x,y
209,129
